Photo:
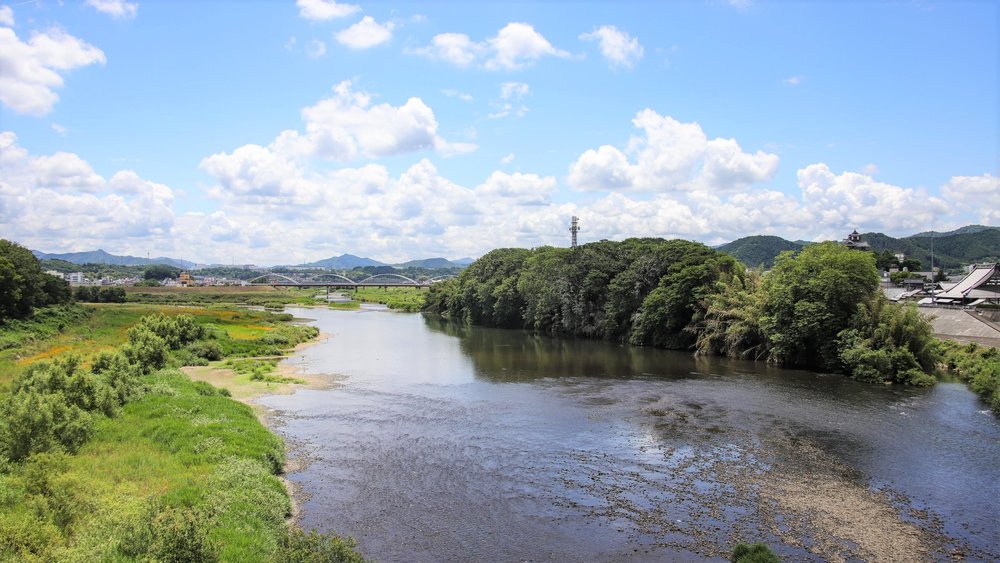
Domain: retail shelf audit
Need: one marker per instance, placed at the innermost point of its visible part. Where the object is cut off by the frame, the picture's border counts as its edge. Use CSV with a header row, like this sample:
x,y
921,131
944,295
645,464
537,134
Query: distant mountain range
x,y
973,243
343,262
350,261
102,257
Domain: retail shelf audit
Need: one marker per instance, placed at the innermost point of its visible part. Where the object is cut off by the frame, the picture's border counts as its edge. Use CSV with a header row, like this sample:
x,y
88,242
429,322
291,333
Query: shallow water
x,y
445,443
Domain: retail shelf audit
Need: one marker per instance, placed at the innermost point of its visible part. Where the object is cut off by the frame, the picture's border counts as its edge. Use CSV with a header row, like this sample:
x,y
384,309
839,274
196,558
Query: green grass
x,y
181,473
88,329
256,295
408,299
173,448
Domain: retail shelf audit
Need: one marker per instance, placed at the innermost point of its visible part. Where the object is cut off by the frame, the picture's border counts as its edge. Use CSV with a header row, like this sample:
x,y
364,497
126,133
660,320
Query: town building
x,y
981,285
75,278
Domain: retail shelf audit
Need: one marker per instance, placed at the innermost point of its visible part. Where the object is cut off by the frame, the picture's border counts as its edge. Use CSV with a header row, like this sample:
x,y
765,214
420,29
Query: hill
x,y
431,264
968,229
101,257
758,250
343,262
951,250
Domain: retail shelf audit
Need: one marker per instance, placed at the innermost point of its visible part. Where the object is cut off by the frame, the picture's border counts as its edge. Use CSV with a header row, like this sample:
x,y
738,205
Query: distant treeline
x,y
820,308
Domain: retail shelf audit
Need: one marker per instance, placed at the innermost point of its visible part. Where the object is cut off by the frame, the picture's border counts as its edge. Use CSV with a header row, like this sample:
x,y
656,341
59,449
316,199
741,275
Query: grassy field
x,y
398,298
89,329
408,299
264,296
180,472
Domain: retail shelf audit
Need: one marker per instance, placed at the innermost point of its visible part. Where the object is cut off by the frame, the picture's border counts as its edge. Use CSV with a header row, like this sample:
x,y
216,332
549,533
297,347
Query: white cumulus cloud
x,y
671,156
32,70
980,194
325,9
51,199
618,47
7,16
365,34
115,8
515,46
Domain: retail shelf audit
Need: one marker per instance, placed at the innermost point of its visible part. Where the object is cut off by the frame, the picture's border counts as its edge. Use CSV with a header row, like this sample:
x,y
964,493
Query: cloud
x,y
511,95
870,169
520,189
514,47
347,126
32,70
850,198
315,49
51,199
343,127
365,34
456,94
6,16
60,130
507,159
976,193
618,48
115,8
321,10
793,81
671,156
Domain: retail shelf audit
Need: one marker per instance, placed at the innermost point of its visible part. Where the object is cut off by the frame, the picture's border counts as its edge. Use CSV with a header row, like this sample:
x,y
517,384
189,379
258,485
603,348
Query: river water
x,y
446,443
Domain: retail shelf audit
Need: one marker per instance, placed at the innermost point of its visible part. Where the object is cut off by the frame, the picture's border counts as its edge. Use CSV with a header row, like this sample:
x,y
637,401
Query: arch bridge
x,y
337,281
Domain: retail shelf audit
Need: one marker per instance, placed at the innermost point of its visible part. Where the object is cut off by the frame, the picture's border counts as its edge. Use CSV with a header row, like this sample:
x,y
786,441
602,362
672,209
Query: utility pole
x,y
574,227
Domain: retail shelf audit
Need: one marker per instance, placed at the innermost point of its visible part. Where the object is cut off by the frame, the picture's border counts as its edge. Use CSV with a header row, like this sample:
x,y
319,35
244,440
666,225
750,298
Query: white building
x,y
75,277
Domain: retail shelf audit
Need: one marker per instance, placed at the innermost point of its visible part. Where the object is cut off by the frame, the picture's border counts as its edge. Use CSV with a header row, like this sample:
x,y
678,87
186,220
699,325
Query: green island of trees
x,y
819,308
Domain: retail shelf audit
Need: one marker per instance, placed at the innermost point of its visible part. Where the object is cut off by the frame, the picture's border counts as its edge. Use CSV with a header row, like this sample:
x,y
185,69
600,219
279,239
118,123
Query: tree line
x,y
23,284
820,308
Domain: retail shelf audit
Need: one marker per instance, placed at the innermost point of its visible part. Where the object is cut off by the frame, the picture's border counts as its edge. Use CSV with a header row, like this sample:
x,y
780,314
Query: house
x,y
981,285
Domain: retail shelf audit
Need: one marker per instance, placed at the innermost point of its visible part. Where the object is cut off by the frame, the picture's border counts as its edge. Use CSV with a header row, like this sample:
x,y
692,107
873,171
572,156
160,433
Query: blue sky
x,y
280,132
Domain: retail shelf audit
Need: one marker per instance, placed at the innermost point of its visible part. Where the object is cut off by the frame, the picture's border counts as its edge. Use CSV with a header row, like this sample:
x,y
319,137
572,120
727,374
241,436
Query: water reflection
x,y
446,441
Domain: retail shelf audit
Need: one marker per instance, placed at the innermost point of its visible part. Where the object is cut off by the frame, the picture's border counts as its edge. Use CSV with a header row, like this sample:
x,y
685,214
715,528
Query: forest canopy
x,y
819,308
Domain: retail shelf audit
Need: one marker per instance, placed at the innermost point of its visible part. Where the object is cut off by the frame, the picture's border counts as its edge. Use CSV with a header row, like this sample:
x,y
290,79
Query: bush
x,y
120,375
207,350
170,534
755,553
33,422
889,342
313,547
145,349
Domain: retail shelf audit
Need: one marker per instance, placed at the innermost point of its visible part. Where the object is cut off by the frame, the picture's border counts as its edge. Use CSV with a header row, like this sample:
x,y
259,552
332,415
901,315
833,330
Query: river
x,y
438,442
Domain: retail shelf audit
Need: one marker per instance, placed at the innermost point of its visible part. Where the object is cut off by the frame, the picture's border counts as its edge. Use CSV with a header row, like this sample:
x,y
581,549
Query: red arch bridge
x,y
337,281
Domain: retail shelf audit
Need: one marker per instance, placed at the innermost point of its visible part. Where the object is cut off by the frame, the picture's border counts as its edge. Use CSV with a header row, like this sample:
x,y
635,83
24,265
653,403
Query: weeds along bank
x,y
117,455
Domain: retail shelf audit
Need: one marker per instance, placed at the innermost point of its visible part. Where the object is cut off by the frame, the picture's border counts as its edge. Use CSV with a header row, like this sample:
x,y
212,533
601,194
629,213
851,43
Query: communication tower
x,y
574,227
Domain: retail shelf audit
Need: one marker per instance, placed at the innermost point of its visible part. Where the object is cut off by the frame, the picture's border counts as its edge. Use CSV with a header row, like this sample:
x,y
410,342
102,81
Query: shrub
x,y
205,349
169,534
145,349
121,376
755,553
32,422
313,547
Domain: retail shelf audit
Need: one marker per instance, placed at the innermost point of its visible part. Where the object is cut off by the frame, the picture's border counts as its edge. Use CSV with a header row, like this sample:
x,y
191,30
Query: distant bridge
x,y
342,282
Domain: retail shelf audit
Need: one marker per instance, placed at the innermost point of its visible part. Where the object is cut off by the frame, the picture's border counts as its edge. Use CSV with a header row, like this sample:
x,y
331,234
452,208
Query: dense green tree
x,y
161,272
23,284
812,296
730,325
645,291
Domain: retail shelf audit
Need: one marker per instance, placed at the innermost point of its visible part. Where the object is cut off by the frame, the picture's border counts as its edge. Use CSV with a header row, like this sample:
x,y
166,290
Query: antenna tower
x,y
574,227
